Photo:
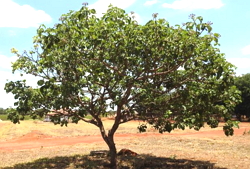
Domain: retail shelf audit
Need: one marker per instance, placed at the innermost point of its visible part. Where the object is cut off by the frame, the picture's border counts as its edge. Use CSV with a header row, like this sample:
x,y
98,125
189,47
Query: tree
x,y
243,84
2,110
90,65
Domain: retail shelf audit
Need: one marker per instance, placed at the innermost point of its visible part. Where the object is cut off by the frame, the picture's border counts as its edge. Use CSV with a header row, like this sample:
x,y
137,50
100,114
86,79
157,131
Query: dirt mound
x,y
127,152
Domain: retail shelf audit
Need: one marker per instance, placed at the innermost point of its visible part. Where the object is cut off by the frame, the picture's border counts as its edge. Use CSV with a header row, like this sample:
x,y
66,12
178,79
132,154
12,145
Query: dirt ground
x,y
36,138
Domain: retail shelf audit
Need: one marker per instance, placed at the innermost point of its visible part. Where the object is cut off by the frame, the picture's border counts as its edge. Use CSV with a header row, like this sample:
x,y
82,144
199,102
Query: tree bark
x,y
112,152
109,140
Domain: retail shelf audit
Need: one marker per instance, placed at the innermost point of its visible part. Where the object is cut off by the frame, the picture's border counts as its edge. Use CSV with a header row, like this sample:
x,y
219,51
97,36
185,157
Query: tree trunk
x,y
109,139
112,153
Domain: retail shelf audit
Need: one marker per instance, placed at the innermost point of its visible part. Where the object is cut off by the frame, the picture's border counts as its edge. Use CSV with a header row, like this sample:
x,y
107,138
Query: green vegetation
x,y
2,111
3,116
243,84
89,65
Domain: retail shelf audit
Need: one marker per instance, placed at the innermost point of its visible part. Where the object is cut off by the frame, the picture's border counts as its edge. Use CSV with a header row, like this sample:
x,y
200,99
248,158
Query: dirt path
x,y
35,139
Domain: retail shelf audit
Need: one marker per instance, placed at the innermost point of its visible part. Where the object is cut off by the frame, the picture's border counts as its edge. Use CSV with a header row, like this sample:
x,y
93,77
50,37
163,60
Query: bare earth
x,y
32,140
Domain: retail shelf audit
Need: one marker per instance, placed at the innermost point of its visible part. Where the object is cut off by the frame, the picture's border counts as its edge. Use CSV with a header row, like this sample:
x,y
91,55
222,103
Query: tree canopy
x,y
243,84
90,65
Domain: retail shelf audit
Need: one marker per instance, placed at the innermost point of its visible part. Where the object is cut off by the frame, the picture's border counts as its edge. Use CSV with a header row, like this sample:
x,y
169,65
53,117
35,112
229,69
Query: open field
x,y
68,147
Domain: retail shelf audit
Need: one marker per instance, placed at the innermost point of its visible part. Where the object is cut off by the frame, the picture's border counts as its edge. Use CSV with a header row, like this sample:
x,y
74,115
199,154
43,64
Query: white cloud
x,y
194,4
101,6
5,64
246,50
242,65
240,62
149,3
7,100
21,16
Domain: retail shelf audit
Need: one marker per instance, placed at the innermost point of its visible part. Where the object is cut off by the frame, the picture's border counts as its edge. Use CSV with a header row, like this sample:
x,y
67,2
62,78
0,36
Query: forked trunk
x,y
109,138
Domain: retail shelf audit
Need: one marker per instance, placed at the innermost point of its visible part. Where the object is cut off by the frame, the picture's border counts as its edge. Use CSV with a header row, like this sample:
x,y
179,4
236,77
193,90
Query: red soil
x,y
36,139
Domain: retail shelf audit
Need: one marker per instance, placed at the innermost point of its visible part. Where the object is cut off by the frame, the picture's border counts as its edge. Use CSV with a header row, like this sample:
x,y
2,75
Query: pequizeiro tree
x,y
168,76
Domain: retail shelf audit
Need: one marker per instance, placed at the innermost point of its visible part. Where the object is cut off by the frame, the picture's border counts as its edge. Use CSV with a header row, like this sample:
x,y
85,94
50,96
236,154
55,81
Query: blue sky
x,y
19,20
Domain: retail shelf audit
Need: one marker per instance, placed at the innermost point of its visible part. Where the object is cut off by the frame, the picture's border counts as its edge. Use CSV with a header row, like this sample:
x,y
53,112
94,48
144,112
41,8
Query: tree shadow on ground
x,y
144,161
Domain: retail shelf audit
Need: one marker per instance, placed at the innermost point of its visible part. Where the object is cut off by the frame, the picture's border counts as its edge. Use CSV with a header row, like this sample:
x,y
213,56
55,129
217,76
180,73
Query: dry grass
x,y
10,131
166,151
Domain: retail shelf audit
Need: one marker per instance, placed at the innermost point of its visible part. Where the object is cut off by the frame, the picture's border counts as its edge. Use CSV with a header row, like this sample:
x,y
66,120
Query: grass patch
x,y
72,130
165,151
3,117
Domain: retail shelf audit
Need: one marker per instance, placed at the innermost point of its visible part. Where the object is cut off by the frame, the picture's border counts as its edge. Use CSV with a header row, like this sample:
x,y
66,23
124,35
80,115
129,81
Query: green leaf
x,y
40,82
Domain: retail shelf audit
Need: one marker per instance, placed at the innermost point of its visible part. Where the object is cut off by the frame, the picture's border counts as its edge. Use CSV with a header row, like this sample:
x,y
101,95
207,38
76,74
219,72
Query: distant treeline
x,y
3,111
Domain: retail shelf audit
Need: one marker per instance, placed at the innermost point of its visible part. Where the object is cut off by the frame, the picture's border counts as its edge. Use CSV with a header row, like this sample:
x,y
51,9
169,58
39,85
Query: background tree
x,y
243,84
2,111
90,65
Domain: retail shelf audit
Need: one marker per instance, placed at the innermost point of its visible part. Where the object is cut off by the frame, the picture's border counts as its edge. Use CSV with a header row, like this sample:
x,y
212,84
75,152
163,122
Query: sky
x,y
19,20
